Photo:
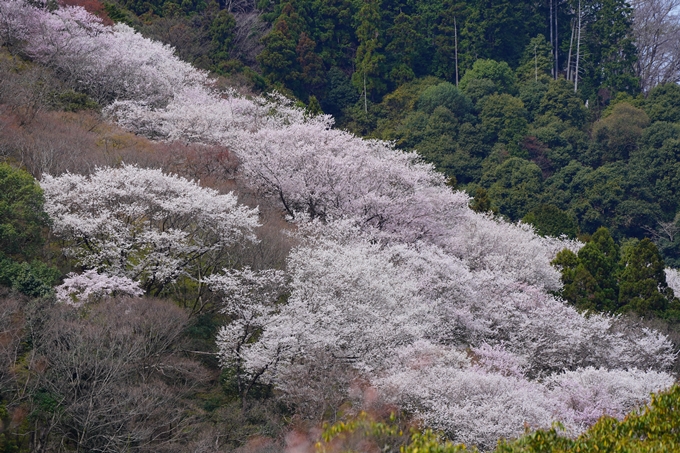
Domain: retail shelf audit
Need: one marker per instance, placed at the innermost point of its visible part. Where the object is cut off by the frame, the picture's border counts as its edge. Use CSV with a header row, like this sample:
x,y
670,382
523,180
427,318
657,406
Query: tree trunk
x,y
578,48
536,62
552,41
571,43
455,41
365,101
557,43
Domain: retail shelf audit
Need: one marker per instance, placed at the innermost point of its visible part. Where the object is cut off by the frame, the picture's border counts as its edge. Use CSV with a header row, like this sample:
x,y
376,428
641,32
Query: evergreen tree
x,y
580,286
481,201
549,220
405,45
497,72
590,277
278,58
616,136
504,120
536,62
448,58
600,258
663,103
643,287
222,35
340,93
310,63
561,102
22,218
514,186
500,29
610,49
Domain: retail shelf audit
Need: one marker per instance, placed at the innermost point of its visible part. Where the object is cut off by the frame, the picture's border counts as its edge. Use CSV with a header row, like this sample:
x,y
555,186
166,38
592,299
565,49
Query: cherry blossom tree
x,y
328,173
534,336
78,289
584,395
471,406
673,280
145,225
475,406
109,63
198,113
298,159
474,353
15,23
249,300
317,172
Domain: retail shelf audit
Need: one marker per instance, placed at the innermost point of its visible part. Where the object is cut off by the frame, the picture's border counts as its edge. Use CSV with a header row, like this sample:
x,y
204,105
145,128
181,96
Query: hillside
x,y
562,113
207,270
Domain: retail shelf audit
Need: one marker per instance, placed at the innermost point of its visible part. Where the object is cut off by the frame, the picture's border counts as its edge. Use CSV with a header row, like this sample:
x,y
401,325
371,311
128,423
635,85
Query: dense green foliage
x,y
21,216
541,148
602,277
379,46
393,43
22,227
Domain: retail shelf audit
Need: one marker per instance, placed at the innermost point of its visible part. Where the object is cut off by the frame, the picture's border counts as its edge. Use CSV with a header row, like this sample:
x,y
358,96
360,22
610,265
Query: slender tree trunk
x,y
557,43
536,62
571,43
365,101
578,47
552,41
455,41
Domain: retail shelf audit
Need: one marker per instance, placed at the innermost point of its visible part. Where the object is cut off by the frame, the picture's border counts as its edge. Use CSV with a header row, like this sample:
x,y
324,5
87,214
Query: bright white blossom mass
x,y
448,313
108,63
143,224
78,289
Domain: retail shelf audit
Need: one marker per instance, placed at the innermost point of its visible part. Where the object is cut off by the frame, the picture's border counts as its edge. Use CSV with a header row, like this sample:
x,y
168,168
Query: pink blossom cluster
x,y
78,289
108,63
673,280
474,353
144,224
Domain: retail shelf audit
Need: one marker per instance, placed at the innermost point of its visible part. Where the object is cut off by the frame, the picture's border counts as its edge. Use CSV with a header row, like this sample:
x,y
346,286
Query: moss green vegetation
x,y
23,225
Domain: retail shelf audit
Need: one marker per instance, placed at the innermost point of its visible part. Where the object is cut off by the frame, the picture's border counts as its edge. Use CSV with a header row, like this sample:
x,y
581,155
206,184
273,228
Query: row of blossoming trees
x,y
394,284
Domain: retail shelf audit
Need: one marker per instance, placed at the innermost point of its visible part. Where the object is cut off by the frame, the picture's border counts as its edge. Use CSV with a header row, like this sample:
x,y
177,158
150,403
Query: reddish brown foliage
x,y
91,6
537,154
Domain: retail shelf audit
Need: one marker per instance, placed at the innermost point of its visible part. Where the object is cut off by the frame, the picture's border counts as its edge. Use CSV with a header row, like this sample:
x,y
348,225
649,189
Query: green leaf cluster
x,y
22,226
605,277
22,218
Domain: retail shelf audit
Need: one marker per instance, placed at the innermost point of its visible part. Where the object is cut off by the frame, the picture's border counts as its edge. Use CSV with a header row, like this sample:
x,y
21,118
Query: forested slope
x,y
340,273
559,113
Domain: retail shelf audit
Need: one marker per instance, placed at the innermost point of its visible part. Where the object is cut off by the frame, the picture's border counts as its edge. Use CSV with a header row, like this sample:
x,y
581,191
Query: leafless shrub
x,y
115,376
318,386
249,30
25,89
657,37
12,331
